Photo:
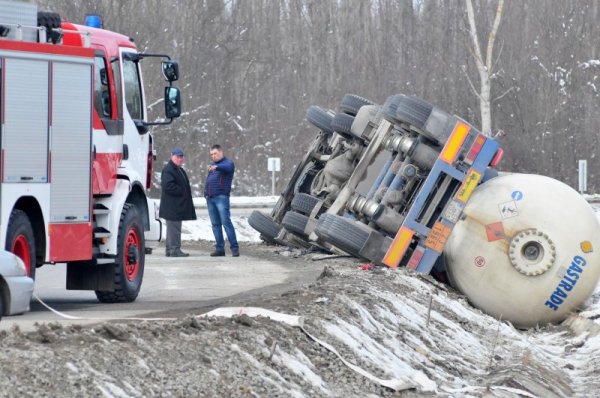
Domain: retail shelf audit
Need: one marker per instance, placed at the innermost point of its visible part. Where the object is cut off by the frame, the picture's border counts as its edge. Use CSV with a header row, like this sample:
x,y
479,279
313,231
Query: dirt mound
x,y
393,325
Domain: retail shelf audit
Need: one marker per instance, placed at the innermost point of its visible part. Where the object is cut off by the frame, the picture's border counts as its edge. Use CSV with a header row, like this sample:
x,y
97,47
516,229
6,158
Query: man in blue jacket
x,y
216,191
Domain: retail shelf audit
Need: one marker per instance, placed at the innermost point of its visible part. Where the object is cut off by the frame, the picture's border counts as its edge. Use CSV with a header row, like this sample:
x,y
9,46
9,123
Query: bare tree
x,y
484,67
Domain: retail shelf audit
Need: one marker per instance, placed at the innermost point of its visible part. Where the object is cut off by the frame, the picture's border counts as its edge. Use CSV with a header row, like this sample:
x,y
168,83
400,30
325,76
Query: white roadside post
x,y
582,175
273,165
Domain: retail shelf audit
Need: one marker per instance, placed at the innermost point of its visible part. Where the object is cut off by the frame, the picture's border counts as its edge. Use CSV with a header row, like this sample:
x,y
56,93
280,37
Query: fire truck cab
x,y
76,152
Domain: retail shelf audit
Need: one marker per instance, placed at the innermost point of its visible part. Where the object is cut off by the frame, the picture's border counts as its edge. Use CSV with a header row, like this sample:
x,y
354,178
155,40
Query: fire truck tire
x,y
268,228
414,111
319,118
295,222
1,304
304,203
20,240
342,124
129,264
351,103
342,232
390,106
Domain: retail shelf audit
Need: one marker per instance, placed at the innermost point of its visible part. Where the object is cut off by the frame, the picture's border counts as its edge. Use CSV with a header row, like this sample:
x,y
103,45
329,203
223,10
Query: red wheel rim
x,y
20,248
132,242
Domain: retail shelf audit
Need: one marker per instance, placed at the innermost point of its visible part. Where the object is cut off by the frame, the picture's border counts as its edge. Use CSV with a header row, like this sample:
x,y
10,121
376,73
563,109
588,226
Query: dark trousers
x,y
173,236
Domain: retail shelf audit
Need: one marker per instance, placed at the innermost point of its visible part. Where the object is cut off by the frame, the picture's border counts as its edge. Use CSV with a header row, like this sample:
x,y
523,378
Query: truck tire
x,y
342,124
304,203
414,111
320,118
389,108
351,103
342,233
20,240
129,264
295,222
268,228
50,21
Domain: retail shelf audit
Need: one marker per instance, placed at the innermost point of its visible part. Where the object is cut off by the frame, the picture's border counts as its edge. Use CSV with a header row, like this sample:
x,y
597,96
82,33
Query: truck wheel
x,y
414,111
320,118
389,108
20,240
268,228
129,265
304,203
351,103
50,21
295,222
342,232
342,124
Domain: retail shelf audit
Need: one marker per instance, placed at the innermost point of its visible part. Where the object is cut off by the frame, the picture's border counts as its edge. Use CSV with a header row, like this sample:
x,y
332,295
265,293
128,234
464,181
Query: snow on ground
x,y
201,229
574,357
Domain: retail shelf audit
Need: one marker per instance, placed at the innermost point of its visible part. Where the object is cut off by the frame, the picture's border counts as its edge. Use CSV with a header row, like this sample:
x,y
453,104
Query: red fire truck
x,y
76,152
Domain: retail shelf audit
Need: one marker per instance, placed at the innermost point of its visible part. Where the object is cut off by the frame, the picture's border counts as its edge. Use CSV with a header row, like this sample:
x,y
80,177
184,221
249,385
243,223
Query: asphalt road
x,y
171,287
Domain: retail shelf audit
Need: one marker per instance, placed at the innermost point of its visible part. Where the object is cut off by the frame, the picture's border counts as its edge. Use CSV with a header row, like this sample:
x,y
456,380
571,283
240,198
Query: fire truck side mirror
x,y
170,70
172,102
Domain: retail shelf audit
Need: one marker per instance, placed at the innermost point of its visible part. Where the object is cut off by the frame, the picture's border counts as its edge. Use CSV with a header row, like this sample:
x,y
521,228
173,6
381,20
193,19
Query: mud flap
x,y
86,276
375,247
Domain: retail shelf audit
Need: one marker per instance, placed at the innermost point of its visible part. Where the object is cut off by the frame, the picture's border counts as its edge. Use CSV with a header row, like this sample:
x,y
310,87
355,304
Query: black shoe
x,y
179,253
217,254
167,254
235,253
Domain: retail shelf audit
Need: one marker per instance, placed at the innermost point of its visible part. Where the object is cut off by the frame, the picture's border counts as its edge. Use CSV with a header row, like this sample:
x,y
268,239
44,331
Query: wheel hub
x,y
532,252
132,254
20,248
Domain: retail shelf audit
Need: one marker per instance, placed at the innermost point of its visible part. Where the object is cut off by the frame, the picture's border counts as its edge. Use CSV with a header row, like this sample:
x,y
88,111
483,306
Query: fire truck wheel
x,y
351,103
320,118
295,222
20,240
264,224
342,232
129,265
304,203
342,124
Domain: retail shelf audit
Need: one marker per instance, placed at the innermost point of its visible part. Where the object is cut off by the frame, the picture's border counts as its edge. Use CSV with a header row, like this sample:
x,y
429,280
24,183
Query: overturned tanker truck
x,y
407,184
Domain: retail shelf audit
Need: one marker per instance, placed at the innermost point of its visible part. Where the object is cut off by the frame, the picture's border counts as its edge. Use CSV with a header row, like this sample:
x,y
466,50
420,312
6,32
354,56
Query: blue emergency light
x,y
93,21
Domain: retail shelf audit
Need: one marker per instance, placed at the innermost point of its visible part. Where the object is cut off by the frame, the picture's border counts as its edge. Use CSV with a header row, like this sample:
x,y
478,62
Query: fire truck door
x,y
26,121
71,142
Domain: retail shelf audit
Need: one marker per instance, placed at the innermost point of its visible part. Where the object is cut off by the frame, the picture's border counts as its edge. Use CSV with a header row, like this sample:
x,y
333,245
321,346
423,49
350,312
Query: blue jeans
x,y
218,210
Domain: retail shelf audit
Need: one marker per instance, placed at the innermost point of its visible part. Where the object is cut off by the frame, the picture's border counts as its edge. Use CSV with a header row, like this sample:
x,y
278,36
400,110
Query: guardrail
x,y
243,202
592,198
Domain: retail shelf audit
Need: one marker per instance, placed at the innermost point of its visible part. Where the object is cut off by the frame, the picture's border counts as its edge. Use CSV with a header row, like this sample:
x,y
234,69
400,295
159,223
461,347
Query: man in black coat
x,y
176,203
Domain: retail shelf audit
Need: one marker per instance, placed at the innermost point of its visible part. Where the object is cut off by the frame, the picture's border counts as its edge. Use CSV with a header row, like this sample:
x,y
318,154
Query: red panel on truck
x,y
70,242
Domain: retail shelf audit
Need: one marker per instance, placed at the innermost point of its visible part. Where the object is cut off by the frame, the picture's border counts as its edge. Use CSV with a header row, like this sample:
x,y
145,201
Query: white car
x,y
16,288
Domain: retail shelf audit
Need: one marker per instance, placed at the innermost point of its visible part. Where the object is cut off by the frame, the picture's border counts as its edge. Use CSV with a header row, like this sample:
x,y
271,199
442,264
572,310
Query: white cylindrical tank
x,y
527,249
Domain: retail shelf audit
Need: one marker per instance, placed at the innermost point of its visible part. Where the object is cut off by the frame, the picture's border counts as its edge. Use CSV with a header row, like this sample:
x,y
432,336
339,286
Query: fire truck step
x,y
100,232
101,209
104,260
